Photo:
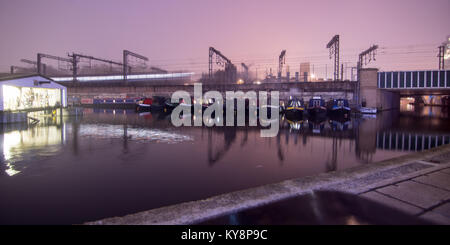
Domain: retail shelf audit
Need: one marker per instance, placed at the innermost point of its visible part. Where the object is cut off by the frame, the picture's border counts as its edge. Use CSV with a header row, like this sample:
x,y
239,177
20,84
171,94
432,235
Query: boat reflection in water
x,y
116,162
340,125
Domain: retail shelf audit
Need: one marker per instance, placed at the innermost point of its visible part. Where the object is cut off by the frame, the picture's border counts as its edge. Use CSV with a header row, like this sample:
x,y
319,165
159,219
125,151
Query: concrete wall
x,y
388,100
374,97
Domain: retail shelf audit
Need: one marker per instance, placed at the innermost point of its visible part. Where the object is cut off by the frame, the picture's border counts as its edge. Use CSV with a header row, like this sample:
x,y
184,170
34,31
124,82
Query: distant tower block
x,y
305,70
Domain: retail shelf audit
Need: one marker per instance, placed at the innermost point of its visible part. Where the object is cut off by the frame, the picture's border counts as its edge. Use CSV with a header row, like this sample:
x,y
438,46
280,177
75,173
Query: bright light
x,y
240,81
129,77
313,76
17,98
258,82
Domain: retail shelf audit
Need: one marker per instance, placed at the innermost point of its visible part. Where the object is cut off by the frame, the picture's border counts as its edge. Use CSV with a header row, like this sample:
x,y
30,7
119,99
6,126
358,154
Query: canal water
x,y
117,162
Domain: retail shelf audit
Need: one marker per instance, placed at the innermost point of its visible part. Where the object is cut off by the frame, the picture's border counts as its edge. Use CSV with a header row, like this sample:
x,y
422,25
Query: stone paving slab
x,y
440,158
383,199
415,193
443,209
436,218
436,179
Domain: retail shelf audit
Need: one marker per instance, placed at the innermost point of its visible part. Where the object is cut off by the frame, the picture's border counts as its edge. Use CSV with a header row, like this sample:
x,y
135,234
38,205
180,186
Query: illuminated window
x,y
19,98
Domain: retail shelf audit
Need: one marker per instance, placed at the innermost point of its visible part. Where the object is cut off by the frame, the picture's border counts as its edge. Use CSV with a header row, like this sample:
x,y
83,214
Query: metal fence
x,y
414,79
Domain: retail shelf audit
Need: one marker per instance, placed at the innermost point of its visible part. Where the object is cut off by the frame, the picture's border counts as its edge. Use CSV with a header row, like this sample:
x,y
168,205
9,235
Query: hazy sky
x,y
176,34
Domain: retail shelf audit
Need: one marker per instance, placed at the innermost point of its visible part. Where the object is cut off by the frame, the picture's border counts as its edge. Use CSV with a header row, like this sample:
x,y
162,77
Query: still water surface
x,y
116,162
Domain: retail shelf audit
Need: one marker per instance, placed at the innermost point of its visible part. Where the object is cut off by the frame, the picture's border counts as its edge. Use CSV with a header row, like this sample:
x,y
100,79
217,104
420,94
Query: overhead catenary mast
x,y
14,68
48,56
281,62
76,58
34,63
230,68
441,56
333,45
246,70
127,53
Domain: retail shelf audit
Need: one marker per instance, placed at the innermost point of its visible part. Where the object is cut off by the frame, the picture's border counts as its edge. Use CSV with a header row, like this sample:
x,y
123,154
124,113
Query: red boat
x,y
144,104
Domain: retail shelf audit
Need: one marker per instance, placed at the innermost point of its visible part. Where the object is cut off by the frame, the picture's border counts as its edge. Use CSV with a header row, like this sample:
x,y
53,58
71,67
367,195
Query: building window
x,y
20,98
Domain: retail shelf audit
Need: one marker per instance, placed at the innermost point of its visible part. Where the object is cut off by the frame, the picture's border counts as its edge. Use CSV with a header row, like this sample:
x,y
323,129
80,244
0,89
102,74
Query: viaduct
x,y
375,89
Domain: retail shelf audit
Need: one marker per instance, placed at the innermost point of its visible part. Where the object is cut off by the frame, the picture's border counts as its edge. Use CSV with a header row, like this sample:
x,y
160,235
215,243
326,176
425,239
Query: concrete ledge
x,y
355,180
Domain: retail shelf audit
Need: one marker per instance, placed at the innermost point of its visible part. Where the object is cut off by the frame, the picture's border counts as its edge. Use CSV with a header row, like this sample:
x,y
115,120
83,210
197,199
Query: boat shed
x,y
30,92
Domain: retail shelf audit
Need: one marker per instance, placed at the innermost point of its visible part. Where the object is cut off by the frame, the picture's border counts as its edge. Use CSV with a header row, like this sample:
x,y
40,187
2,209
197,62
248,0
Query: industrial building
x,y
30,92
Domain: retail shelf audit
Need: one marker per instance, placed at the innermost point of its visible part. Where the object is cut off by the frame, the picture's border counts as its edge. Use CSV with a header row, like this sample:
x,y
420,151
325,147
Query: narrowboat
x,y
338,107
169,105
156,103
294,109
316,107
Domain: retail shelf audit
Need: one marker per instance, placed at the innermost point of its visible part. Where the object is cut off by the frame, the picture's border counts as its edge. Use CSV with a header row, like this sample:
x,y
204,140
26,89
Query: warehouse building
x,y
30,92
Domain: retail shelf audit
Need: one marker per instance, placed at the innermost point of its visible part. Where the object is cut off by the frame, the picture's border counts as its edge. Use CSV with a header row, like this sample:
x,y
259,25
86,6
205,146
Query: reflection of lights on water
x,y
409,107
10,140
17,142
63,133
138,134
10,170
406,104
295,126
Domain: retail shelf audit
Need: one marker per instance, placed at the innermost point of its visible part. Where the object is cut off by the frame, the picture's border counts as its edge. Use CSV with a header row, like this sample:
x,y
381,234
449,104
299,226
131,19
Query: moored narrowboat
x,y
294,109
316,107
156,103
339,107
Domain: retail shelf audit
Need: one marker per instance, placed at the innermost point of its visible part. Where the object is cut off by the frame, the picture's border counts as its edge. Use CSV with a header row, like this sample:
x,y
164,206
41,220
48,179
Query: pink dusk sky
x,y
176,34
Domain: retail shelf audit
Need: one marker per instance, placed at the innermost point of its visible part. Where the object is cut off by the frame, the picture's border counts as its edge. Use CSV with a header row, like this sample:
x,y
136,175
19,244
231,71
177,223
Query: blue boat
x,y
339,107
316,107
